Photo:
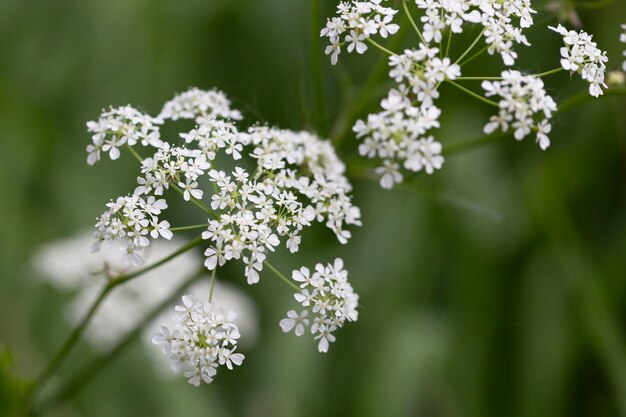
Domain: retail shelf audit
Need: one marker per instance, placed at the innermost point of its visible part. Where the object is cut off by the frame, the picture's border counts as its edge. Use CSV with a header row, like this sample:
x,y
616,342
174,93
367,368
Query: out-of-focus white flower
x,y
198,105
622,38
67,265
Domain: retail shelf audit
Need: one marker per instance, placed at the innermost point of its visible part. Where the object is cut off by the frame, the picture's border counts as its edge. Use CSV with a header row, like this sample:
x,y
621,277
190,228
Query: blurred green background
x,y
494,288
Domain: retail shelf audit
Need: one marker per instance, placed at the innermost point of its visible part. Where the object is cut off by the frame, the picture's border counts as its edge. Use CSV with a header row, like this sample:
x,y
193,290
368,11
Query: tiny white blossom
x,y
327,294
203,337
581,55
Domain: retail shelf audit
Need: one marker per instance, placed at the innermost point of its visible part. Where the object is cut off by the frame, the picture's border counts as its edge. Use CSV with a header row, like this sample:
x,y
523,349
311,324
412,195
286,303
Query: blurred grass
x,y
487,289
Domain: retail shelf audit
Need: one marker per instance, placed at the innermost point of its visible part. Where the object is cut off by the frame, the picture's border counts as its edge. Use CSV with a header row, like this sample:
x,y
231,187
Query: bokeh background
x,y
494,288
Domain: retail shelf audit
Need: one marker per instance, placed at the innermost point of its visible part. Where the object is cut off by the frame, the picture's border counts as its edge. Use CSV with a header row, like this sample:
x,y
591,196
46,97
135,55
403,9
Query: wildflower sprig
x,y
256,187
401,134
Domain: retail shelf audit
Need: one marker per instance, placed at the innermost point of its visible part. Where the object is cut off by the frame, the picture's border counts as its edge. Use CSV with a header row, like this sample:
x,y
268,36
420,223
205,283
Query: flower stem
x,y
134,153
473,57
69,344
473,94
468,50
212,285
195,201
408,15
478,78
195,226
316,69
449,42
76,334
82,378
281,276
552,71
127,277
379,46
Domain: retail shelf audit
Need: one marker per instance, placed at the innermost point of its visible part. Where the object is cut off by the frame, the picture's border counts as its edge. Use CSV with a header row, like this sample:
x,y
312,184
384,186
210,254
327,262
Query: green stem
x,y
552,71
76,334
449,42
408,15
316,67
468,50
475,143
473,94
195,201
195,226
565,106
134,153
80,380
69,344
212,284
127,277
379,46
352,108
281,276
473,57
478,78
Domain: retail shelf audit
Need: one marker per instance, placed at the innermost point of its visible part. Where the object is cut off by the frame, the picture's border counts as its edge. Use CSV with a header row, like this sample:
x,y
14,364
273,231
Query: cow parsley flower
x,y
399,133
356,22
203,338
581,55
278,182
524,105
327,295
120,126
198,105
130,221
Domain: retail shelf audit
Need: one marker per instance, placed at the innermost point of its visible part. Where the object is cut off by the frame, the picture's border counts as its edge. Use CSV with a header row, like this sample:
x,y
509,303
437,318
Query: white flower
x,y
120,126
326,294
295,320
205,337
129,221
199,105
355,22
524,105
622,38
581,55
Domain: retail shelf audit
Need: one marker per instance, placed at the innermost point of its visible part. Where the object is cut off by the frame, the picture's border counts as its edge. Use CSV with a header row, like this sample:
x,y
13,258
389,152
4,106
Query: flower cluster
x,y
622,38
328,296
202,339
129,221
119,126
277,200
524,105
279,182
503,22
581,55
399,132
357,21
199,105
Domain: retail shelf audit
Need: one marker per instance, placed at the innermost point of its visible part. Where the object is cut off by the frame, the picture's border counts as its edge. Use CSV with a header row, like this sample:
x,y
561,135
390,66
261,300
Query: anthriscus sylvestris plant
x,y
401,134
262,187
257,188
